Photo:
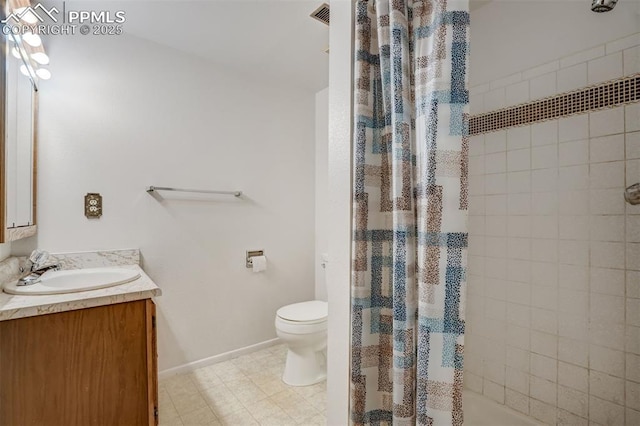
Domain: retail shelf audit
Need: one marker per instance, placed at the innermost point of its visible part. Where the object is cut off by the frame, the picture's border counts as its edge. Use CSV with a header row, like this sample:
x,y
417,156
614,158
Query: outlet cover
x,y
93,205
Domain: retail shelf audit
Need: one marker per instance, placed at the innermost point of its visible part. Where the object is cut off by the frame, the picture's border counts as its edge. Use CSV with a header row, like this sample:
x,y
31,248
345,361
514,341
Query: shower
x,y
603,5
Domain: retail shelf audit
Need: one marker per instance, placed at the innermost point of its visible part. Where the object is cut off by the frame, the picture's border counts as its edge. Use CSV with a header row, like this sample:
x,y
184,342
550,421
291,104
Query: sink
x,y
59,282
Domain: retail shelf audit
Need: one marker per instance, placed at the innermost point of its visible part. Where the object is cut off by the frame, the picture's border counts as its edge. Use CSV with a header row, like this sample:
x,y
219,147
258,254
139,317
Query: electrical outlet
x,y
93,205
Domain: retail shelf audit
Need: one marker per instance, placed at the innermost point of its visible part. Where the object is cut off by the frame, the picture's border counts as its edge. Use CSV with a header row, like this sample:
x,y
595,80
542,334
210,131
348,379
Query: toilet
x,y
303,328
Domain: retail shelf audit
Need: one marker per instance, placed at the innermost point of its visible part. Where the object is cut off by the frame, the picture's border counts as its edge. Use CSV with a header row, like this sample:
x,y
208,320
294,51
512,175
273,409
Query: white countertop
x,y
21,306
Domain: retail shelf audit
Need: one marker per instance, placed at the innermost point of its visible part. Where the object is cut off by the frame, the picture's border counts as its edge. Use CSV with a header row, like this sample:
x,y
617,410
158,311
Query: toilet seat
x,y
312,312
293,327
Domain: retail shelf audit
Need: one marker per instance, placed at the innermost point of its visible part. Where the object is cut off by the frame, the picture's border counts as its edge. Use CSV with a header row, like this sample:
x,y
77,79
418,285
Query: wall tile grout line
x,y
624,306
589,331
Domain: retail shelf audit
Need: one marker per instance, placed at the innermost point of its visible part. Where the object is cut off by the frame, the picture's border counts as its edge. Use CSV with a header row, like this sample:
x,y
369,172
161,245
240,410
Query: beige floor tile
x,y
175,380
274,366
232,376
279,356
249,394
205,378
244,391
264,409
262,376
163,394
254,367
299,411
166,410
243,361
319,401
278,420
287,397
222,401
202,416
238,384
172,422
226,371
239,418
275,371
179,385
188,402
309,391
220,366
271,385
317,420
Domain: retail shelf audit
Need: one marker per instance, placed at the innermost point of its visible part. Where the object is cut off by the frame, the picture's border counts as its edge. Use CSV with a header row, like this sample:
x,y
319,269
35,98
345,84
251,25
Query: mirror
x,y
18,93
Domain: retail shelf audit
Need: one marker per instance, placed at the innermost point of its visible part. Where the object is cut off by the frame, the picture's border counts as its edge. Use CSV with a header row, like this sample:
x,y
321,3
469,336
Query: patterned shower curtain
x,y
410,212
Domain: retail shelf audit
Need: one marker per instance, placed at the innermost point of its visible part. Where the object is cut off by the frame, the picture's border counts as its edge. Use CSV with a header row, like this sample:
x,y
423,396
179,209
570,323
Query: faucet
x,y
38,259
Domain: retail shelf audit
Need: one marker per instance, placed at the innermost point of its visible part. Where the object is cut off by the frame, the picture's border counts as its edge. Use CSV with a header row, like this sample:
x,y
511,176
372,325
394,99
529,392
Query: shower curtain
x,y
410,211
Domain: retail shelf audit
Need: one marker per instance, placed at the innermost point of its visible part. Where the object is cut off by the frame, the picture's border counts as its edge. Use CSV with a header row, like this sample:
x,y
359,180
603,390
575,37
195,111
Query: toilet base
x,y
304,367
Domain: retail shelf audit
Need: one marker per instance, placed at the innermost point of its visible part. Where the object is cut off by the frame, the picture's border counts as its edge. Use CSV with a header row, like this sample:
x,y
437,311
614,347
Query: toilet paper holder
x,y
632,194
251,254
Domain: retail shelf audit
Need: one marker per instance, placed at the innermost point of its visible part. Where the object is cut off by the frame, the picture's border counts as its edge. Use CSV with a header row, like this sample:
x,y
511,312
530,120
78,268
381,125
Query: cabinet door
x,y
86,367
152,362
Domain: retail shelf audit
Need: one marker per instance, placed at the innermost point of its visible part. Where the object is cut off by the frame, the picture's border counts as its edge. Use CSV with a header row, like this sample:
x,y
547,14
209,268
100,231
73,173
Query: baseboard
x,y
188,367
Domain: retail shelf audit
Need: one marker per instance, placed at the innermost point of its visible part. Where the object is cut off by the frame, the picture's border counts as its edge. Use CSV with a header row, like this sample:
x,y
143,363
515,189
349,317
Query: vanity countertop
x,y
20,306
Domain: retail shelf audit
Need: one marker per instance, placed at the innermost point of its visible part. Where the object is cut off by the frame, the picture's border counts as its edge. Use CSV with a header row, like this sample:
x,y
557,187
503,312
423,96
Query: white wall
x,y
121,113
510,36
5,251
322,189
339,233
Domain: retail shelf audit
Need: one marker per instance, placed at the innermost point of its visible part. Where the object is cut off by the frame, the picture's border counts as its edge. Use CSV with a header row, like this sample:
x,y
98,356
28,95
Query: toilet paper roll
x,y
259,263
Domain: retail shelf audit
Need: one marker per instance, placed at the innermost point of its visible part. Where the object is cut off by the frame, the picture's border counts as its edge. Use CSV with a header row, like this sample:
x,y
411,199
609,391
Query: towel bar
x,y
199,191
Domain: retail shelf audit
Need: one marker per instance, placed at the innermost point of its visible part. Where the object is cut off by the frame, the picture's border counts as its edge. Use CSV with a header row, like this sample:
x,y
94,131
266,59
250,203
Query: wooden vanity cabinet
x,y
93,366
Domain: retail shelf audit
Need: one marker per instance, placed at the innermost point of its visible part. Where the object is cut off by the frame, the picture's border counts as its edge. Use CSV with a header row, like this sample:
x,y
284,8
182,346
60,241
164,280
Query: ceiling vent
x,y
321,14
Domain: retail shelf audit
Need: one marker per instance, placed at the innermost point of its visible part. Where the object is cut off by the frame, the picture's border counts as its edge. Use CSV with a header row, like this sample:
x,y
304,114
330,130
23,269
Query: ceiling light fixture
x,y
28,46
40,57
32,39
43,73
28,17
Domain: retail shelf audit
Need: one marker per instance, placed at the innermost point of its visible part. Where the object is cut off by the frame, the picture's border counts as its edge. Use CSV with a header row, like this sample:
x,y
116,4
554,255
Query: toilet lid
x,y
304,312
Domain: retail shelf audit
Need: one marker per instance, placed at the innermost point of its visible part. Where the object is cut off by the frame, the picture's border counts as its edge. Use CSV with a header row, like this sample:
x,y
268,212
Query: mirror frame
x,y
13,234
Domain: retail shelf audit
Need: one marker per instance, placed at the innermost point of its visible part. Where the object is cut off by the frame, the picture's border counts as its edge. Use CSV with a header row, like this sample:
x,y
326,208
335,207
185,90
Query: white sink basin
x,y
58,282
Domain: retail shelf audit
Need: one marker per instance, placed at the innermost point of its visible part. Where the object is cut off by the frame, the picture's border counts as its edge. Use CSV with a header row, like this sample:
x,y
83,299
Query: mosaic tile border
x,y
604,95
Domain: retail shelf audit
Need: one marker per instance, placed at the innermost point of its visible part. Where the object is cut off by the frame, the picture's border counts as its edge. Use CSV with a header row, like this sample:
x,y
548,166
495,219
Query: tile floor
x,y
243,391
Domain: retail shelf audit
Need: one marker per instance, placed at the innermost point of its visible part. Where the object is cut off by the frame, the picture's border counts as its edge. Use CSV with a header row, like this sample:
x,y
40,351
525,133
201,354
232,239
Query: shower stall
x,y
553,308
552,321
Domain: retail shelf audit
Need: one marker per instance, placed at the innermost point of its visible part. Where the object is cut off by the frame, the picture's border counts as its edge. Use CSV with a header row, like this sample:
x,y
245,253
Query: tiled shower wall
x,y
553,307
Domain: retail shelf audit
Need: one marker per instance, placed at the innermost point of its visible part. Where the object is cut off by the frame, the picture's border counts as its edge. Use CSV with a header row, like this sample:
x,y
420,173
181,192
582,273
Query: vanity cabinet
x,y
93,366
